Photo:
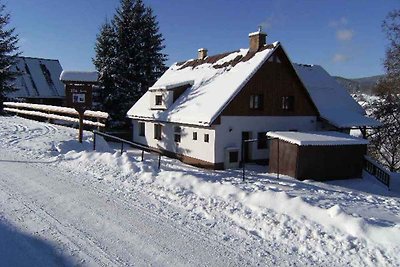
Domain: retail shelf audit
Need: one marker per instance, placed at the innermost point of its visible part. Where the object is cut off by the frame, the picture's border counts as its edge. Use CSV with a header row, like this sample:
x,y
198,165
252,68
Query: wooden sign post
x,y
78,92
80,97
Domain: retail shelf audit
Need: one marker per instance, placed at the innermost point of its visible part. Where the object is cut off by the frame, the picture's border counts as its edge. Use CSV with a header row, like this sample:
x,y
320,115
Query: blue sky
x,y
345,37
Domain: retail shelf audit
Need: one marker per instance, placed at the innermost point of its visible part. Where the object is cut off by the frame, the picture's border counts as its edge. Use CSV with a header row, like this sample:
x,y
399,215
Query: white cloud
x,y
344,34
338,58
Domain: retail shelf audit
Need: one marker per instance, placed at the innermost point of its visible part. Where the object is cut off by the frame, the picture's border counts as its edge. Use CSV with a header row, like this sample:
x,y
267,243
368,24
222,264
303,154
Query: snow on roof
x,y
318,138
215,83
171,86
38,79
333,102
79,76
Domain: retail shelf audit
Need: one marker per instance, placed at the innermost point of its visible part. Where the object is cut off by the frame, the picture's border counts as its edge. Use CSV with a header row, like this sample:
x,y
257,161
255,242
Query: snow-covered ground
x,y
61,202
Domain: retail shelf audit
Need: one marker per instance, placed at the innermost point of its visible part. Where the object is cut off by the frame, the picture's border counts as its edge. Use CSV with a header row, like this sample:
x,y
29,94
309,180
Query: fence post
x,y
94,140
243,164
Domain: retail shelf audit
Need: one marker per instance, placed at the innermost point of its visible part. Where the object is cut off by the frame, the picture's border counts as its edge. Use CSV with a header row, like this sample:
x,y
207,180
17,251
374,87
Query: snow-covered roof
x,y
79,76
333,101
216,80
39,78
171,86
318,138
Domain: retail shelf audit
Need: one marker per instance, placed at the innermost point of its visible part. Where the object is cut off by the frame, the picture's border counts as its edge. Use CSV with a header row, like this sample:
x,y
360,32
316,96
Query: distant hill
x,y
360,85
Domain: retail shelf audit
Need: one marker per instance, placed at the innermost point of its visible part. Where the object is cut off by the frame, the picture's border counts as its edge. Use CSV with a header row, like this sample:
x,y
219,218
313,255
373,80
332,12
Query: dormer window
x,y
158,101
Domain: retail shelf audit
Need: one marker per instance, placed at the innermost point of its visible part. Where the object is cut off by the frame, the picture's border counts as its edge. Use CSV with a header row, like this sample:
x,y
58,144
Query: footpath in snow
x,y
75,205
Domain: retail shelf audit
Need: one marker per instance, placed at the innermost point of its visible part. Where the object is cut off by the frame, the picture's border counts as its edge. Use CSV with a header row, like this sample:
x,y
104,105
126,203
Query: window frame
x,y
256,102
158,100
287,103
177,134
157,131
206,138
142,129
236,156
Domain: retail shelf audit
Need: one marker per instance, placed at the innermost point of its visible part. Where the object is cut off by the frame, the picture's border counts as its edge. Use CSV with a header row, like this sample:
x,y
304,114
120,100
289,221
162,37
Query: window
x,y
194,135
206,138
233,156
288,103
157,131
256,101
158,100
177,134
262,141
141,129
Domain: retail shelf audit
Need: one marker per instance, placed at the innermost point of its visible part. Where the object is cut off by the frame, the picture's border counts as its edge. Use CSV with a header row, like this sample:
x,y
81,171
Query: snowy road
x,y
95,225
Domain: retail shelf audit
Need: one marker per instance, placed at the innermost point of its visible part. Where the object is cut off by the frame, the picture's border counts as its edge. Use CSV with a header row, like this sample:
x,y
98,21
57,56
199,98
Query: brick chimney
x,y
202,53
257,40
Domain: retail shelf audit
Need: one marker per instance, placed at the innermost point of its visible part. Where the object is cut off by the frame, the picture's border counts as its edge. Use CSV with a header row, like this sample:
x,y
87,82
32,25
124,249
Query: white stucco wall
x,y
193,148
229,132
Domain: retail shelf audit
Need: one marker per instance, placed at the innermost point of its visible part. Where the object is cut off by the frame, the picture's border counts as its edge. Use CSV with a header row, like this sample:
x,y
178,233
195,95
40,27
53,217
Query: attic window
x,y
288,103
256,101
158,100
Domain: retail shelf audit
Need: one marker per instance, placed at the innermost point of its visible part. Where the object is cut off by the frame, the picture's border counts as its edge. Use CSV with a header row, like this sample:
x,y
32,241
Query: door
x,y
246,146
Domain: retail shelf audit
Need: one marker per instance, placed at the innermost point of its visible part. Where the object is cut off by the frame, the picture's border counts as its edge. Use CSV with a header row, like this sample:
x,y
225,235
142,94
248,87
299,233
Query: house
x,y
39,81
201,110
322,155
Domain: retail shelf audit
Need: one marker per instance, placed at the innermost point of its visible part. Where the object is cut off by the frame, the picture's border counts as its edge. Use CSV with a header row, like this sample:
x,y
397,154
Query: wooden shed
x,y
316,155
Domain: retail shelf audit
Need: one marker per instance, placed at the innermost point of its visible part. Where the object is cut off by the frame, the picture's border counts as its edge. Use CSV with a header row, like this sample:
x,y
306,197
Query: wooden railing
x,y
378,171
53,113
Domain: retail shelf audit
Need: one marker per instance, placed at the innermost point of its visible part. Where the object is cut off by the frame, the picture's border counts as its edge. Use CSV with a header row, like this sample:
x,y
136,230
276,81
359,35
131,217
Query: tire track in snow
x,y
111,224
59,230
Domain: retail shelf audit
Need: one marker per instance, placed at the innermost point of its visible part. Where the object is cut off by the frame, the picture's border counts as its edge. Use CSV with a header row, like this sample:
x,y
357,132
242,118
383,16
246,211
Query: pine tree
x,y
8,55
138,59
105,63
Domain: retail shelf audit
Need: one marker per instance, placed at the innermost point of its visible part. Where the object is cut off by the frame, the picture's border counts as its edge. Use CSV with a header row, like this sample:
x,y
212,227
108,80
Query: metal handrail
x,y
379,172
132,144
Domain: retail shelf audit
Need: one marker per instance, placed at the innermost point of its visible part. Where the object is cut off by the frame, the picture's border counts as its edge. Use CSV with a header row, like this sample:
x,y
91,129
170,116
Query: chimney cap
x,y
259,32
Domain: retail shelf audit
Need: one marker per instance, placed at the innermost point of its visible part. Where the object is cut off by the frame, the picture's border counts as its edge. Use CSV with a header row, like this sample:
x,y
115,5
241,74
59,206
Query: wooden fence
x,y
92,118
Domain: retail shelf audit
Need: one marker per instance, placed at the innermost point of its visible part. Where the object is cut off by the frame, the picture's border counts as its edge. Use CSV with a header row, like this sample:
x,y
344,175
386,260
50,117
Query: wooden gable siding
x,y
273,80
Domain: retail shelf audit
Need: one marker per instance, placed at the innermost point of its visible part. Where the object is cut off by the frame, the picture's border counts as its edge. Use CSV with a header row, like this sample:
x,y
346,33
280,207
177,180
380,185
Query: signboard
x,y
79,96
